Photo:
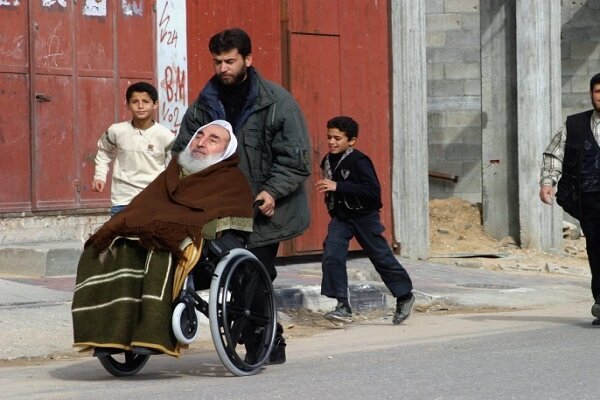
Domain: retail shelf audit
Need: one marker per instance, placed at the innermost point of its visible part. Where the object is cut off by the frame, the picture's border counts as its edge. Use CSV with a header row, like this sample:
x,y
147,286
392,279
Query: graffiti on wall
x,y
94,8
171,63
50,3
9,3
133,7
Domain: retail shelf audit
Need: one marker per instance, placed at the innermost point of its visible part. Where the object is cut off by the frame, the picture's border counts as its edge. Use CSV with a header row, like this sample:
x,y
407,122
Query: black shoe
x,y
106,351
403,309
278,352
596,321
596,310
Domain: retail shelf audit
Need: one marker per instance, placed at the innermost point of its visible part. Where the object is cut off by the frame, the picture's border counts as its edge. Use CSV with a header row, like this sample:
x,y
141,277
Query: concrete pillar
x,y
410,188
538,115
500,194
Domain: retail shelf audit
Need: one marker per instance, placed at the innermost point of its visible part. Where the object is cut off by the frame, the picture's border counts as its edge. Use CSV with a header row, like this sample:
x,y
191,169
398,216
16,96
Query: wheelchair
x,y
240,309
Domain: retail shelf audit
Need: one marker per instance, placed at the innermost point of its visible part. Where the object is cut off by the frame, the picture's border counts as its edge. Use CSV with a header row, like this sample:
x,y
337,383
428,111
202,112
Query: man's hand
x,y
268,203
547,194
98,185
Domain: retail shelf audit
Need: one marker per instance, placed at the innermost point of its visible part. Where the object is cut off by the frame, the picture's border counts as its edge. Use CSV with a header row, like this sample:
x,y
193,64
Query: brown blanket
x,y
124,288
172,208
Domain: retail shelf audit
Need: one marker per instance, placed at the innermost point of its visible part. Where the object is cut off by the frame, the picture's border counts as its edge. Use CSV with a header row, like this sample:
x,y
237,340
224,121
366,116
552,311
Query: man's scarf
x,y
173,208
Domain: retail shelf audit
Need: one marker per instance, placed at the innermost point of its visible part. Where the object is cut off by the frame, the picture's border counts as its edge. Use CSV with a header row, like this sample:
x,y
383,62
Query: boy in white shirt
x,y
140,148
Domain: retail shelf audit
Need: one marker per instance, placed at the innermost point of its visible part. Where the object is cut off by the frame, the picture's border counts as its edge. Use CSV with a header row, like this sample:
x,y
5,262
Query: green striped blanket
x,y
123,298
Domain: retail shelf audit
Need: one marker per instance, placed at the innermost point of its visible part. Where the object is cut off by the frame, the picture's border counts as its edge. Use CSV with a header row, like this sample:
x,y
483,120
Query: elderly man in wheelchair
x,y
138,277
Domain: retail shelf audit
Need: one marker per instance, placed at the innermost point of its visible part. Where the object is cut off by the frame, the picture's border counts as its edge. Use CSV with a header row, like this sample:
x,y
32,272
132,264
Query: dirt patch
x,y
456,230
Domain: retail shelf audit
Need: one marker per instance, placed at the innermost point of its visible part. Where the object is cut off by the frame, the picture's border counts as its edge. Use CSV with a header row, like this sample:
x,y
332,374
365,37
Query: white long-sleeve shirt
x,y
139,157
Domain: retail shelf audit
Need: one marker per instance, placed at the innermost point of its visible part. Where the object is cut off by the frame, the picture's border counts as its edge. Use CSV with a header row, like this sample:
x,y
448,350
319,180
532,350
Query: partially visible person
x,y
353,199
274,146
123,298
140,148
571,163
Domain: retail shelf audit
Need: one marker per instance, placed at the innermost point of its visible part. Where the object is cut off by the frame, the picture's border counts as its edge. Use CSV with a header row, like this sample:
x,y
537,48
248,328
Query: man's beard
x,y
237,79
192,164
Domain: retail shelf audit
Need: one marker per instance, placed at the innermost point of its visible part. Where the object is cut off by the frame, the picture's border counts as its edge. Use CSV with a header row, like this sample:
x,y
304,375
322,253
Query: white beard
x,y
191,164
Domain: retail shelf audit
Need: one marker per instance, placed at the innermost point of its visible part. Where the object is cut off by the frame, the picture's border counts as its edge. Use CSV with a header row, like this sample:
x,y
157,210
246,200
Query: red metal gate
x,y
339,66
66,65
332,56
15,193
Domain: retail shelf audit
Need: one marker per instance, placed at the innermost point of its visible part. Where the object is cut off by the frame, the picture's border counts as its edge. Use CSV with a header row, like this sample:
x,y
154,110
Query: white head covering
x,y
231,147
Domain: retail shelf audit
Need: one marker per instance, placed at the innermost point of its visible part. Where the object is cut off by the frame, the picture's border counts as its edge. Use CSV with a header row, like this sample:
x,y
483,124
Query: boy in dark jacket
x,y
353,198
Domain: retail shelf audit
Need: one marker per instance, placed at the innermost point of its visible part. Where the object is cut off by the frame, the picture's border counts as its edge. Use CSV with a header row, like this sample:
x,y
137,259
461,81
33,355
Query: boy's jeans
x,y
368,232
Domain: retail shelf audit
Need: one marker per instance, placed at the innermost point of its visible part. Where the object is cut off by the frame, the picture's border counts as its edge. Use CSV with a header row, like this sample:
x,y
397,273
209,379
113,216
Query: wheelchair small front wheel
x,y
124,364
185,323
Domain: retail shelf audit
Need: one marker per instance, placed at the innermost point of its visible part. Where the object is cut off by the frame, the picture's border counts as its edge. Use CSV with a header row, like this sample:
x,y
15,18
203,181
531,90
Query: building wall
x,y
454,97
454,85
580,52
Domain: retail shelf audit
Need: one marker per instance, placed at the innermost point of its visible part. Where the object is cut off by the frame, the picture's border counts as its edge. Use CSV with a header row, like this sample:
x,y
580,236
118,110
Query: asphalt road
x,y
528,354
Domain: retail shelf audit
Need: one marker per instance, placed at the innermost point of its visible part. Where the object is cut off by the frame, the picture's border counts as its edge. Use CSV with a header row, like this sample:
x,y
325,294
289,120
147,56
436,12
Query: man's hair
x,y
594,81
230,39
344,124
142,87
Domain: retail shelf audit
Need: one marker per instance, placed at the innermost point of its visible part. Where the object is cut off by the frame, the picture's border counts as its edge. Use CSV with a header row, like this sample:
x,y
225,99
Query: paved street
x,y
527,354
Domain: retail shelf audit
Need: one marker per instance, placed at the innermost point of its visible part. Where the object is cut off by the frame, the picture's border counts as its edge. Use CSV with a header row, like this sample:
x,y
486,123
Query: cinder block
x,y
463,38
436,55
435,39
585,51
434,6
435,71
445,88
462,151
574,67
443,22
470,118
463,71
473,87
461,6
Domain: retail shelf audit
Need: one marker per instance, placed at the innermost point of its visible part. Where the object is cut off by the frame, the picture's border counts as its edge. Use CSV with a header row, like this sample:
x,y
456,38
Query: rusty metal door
x,y
338,57
54,175
15,143
318,92
64,68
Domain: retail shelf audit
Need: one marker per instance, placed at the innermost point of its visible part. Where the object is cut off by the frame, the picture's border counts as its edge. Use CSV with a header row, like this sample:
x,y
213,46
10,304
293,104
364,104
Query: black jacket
x,y
358,191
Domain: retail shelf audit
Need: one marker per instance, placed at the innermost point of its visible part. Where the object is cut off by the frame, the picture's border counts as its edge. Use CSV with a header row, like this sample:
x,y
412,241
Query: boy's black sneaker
x,y
596,310
403,309
341,313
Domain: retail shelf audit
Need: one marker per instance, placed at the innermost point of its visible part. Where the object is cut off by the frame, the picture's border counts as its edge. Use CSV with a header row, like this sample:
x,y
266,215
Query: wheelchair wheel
x,y
123,364
185,323
242,312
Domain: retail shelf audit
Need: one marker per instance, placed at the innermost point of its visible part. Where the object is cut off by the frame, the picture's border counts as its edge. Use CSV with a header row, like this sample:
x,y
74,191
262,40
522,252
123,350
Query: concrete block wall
x,y
580,52
454,97
454,84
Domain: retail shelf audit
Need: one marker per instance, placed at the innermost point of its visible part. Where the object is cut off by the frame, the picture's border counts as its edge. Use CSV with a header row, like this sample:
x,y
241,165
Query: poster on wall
x,y
172,62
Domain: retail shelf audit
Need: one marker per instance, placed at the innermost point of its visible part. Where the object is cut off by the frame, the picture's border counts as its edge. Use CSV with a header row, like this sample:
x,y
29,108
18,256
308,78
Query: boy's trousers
x,y
368,231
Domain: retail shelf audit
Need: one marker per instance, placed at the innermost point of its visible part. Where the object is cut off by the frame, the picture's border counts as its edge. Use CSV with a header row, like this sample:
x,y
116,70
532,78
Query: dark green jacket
x,y
274,150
